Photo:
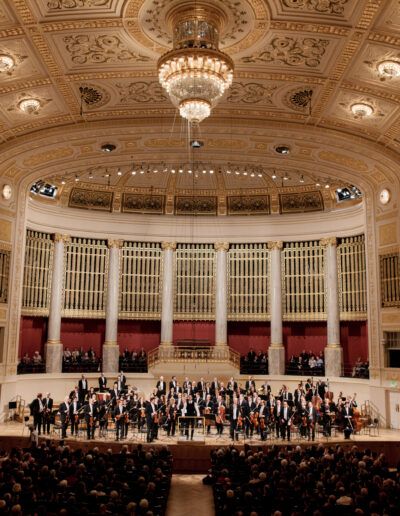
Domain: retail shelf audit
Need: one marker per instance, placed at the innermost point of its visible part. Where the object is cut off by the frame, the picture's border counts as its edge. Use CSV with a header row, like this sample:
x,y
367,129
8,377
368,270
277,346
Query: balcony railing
x,y
193,353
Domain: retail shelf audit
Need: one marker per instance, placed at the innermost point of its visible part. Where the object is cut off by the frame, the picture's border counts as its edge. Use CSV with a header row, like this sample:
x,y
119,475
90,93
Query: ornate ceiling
x,y
299,64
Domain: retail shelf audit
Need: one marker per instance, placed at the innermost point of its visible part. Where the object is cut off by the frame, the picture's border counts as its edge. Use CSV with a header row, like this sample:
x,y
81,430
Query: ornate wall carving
x,y
291,52
249,204
250,93
89,49
185,205
76,4
140,92
301,202
90,200
134,203
318,6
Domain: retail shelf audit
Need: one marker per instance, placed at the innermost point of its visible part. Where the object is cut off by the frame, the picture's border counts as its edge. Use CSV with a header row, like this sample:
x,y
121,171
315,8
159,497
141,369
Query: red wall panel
x,y
32,335
85,333
138,334
300,335
354,340
193,330
244,335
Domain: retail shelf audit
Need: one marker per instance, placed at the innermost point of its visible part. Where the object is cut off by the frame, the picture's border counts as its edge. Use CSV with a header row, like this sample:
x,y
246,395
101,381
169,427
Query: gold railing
x,y
198,354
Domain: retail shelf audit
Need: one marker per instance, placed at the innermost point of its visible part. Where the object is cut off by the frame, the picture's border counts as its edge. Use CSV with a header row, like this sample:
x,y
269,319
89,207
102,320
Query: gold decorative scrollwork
x,y
325,242
221,246
114,244
168,246
273,246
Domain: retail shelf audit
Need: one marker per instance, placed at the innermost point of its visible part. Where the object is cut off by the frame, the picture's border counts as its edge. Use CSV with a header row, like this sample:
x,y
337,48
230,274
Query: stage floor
x,y
194,456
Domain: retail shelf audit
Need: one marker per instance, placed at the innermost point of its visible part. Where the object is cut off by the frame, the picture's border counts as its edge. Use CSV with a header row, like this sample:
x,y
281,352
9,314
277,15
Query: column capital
x,y
327,241
114,244
58,237
168,246
275,246
221,246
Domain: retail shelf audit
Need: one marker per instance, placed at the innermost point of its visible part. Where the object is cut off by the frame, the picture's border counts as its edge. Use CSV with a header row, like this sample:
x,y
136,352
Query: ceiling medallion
x,y
30,106
195,73
361,110
7,63
389,69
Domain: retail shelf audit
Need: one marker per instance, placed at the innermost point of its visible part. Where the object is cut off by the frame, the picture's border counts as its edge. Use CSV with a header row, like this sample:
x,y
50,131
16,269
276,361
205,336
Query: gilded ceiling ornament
x,y
106,48
299,98
318,6
291,51
257,204
250,93
93,96
74,4
141,92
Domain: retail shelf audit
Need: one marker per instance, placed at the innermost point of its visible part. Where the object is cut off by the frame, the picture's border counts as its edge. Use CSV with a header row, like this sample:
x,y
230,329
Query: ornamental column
x,y
110,346
221,308
167,307
276,351
54,347
333,350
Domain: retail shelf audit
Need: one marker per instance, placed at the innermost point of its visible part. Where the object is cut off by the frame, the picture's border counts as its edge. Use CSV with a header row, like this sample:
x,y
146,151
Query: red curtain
x,y
32,335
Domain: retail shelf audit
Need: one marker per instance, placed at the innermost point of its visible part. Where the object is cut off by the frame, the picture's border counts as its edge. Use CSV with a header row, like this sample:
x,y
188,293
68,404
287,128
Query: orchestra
x,y
248,412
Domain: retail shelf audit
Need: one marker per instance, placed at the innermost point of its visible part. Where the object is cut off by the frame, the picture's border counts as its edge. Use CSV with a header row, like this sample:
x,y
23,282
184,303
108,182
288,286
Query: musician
x,y
172,414
262,420
119,416
151,414
214,387
141,412
102,416
326,418
91,393
200,402
83,388
74,416
222,391
74,393
186,383
121,381
220,410
190,413
231,387
115,393
311,421
37,409
173,384
277,415
234,416
298,394
285,395
347,416
209,412
90,413
47,410
201,385
64,416
102,383
250,384
161,387
285,421
245,413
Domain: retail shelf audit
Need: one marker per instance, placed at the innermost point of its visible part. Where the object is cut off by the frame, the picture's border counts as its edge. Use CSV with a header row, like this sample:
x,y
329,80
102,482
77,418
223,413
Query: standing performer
x,y
262,420
47,411
220,410
74,416
285,421
172,412
90,412
119,416
102,383
64,416
83,388
311,421
37,409
190,413
234,415
151,414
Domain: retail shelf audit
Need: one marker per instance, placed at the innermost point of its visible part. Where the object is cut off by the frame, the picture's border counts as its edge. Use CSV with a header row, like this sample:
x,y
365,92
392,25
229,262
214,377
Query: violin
x,y
262,423
239,422
220,418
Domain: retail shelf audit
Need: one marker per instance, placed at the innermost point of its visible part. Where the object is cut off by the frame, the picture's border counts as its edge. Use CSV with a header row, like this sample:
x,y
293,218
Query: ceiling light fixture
x,y
7,63
362,110
195,73
389,69
30,106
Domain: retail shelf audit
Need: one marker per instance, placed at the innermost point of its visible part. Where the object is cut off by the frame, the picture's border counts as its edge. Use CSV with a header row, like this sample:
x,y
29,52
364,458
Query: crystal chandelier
x,y
195,73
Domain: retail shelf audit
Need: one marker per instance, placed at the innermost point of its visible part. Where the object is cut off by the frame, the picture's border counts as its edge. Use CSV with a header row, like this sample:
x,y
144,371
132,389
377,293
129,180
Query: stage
x,y
194,456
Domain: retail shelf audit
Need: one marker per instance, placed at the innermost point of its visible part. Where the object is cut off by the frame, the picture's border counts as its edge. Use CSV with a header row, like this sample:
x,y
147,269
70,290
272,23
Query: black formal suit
x,y
150,411
201,386
37,408
173,384
285,422
161,388
250,384
47,416
311,422
102,383
64,418
119,415
73,413
121,380
83,387
90,413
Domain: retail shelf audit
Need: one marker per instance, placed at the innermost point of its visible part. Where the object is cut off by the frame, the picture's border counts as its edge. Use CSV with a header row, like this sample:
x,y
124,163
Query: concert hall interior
x,y
200,235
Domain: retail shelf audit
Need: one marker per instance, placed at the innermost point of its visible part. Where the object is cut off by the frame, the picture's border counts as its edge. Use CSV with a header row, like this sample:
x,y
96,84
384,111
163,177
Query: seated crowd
x,y
307,363
34,364
78,360
134,361
360,369
254,363
53,479
297,481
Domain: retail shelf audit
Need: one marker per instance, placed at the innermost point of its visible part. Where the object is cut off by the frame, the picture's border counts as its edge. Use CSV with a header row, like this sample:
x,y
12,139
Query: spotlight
x,y
282,149
196,144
